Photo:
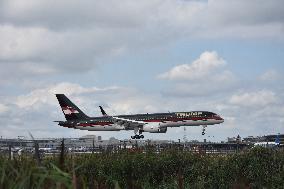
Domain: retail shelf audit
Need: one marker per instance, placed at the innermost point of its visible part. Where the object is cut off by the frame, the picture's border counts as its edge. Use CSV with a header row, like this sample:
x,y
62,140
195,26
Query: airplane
x,y
139,123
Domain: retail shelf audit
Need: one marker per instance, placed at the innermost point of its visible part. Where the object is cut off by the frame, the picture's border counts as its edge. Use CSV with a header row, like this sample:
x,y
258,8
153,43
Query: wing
x,y
128,123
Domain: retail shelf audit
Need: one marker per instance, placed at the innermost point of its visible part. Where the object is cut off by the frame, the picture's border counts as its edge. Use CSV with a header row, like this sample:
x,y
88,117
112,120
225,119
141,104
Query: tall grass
x,y
257,168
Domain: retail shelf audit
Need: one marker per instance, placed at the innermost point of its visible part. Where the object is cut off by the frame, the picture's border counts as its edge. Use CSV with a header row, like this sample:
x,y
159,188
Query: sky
x,y
148,56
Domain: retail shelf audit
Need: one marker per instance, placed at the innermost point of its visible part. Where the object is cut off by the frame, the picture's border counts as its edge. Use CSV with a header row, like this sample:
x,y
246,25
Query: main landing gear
x,y
139,135
203,129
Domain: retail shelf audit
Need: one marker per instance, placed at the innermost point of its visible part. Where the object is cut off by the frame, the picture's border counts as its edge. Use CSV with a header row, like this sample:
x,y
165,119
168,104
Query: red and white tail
x,y
69,109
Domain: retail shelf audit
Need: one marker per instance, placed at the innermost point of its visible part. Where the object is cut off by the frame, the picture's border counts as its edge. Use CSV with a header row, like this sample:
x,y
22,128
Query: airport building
x,y
265,138
92,143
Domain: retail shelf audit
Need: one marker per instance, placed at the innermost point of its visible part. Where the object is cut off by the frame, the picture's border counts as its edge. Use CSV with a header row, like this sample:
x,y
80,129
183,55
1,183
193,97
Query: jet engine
x,y
154,128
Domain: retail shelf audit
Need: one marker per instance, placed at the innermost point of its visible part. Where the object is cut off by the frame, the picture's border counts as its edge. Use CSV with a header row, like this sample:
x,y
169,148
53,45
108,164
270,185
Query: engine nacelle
x,y
154,128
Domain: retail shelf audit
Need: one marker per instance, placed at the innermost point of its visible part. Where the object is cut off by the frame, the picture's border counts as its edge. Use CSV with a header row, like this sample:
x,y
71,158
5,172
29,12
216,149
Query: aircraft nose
x,y
220,119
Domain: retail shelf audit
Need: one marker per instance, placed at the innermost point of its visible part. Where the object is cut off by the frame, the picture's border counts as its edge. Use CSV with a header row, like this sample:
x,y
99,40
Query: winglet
x,y
103,112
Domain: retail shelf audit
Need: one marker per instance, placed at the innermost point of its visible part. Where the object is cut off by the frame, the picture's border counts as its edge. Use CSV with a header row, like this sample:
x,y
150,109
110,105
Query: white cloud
x,y
22,43
3,108
40,37
70,36
254,99
241,19
46,96
36,69
125,100
85,13
244,12
61,50
37,28
270,75
184,17
207,75
35,111
206,64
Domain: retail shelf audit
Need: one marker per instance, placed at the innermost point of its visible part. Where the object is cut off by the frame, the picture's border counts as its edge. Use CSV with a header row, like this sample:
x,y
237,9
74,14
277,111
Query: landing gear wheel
x,y
203,129
139,135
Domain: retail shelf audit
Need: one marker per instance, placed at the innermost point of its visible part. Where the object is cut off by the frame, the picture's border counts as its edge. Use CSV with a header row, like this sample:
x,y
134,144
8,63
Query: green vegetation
x,y
256,168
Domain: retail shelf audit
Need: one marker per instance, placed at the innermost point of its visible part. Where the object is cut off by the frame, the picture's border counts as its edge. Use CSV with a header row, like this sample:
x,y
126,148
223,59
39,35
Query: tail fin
x,y
103,112
70,110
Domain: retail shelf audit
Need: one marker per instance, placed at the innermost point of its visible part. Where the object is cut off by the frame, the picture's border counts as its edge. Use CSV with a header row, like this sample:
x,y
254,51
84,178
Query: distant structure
x,y
266,138
92,143
89,137
252,139
237,139
113,140
273,138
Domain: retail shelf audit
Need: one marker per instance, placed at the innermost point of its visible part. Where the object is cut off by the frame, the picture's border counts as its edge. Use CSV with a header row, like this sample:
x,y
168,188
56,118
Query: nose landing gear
x,y
203,129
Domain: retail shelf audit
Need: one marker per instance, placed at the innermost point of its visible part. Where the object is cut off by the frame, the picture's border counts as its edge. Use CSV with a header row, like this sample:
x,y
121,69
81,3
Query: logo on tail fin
x,y
69,110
